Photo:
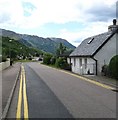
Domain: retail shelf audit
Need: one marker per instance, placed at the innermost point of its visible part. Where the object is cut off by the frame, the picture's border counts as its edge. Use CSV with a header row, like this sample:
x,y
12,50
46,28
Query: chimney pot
x,y
114,21
114,27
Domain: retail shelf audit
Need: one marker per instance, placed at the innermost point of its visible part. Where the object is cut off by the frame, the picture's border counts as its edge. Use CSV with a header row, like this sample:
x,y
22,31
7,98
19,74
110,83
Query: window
x,y
80,62
85,62
74,61
90,40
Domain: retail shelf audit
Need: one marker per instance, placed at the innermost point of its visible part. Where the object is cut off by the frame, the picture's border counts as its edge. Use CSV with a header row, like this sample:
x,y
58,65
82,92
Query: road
x,y
50,93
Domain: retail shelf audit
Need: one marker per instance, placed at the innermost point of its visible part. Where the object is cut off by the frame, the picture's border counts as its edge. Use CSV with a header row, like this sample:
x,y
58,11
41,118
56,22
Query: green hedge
x,y
113,67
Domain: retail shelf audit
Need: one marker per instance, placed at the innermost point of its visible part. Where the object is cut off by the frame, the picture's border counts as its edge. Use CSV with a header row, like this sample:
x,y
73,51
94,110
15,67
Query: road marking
x,y
85,79
22,93
25,97
18,114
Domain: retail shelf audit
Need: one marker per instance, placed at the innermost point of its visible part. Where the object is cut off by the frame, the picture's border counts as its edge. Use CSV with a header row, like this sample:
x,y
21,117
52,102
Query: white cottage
x,y
95,51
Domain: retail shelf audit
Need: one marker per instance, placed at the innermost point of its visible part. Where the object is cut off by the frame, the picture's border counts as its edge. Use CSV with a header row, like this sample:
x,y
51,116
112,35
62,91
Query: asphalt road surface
x,y
51,93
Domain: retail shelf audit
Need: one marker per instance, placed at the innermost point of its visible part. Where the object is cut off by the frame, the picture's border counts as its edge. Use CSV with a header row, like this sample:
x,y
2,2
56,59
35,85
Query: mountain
x,y
45,44
67,44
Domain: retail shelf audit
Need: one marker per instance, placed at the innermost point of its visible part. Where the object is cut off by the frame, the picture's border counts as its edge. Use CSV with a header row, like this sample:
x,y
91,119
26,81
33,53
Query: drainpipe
x,y
70,60
95,63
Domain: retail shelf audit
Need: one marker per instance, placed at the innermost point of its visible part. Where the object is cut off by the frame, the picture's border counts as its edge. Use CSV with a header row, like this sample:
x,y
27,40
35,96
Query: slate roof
x,y
96,42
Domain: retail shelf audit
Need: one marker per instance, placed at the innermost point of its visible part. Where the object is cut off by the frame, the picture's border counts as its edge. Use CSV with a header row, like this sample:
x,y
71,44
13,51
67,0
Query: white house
x,y
95,51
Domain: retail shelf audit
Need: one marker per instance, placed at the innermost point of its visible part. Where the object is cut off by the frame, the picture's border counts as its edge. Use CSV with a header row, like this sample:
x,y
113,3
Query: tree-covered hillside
x,y
15,49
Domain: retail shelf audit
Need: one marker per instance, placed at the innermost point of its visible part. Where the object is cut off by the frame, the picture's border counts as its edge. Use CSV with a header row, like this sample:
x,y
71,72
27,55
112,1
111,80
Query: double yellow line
x,y
22,96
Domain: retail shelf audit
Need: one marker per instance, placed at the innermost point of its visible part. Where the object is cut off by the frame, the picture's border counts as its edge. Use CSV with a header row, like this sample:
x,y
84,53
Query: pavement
x,y
9,77
103,79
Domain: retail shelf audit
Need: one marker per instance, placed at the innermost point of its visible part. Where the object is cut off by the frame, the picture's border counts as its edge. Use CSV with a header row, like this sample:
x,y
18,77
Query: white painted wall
x,y
75,65
90,66
4,65
106,53
68,60
81,69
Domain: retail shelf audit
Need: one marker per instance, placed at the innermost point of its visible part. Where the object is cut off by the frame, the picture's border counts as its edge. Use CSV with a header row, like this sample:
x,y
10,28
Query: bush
x,y
113,67
4,58
30,58
61,63
53,60
0,58
105,70
47,59
24,57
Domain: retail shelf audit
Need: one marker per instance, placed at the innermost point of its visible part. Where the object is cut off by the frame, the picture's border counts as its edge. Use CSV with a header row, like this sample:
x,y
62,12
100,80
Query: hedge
x,y
113,67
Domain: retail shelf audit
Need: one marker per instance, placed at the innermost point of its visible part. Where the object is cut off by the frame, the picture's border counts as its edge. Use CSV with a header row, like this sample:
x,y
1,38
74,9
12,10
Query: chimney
x,y
114,27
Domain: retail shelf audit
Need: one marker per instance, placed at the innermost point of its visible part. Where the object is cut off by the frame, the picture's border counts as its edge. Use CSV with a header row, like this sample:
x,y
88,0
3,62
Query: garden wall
x,y
4,65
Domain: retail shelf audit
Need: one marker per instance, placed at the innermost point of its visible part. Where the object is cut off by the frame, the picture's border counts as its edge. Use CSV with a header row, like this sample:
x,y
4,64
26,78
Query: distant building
x,y
95,51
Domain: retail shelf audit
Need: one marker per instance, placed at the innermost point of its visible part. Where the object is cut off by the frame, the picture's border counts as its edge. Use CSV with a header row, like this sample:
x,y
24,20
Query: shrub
x,y
4,58
105,70
47,59
113,67
30,58
24,57
53,60
0,58
61,63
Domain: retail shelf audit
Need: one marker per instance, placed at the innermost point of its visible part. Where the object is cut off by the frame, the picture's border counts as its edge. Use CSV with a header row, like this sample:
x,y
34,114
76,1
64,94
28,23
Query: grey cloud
x,y
117,9
102,12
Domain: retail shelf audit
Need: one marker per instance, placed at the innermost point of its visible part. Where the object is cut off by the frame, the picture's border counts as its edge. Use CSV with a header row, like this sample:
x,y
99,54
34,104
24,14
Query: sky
x,y
73,20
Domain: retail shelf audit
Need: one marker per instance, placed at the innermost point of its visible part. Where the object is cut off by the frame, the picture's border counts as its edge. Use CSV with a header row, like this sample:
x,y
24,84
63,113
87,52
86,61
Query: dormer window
x,y
90,40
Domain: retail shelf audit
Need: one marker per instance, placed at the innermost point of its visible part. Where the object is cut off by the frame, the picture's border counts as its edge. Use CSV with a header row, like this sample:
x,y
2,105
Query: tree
x,y
61,49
